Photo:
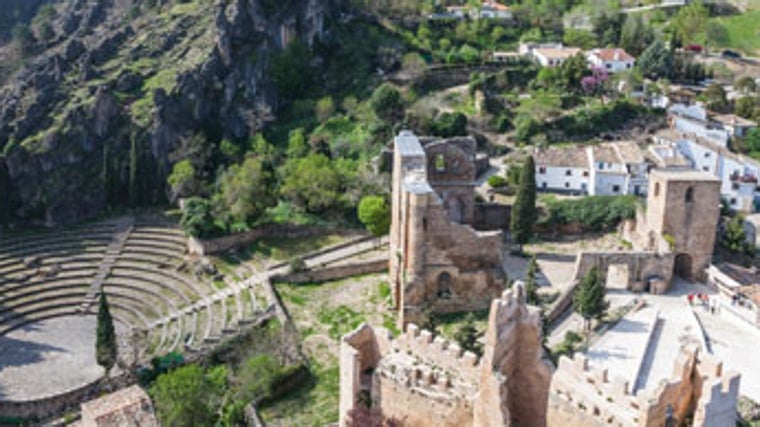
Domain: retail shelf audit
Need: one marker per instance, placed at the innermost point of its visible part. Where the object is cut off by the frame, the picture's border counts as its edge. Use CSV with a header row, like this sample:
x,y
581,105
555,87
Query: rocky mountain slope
x,y
99,116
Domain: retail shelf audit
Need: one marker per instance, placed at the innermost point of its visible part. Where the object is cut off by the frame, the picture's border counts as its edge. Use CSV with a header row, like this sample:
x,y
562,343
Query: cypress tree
x,y
106,347
531,287
589,298
133,160
524,209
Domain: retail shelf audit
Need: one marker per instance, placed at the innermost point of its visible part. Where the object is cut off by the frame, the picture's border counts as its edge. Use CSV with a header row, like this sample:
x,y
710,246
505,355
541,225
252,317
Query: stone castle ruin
x,y
425,381
698,391
422,380
438,260
673,235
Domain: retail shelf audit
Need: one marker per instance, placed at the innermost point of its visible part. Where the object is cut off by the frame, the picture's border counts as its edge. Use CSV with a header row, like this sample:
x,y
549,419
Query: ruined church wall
x,y
359,351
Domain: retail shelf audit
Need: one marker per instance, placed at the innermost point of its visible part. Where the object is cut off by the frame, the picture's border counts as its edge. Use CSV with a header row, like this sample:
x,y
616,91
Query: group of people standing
x,y
708,304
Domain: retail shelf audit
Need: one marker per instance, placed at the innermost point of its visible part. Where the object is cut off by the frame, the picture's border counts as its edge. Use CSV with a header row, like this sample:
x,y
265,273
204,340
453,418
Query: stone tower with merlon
x,y
684,206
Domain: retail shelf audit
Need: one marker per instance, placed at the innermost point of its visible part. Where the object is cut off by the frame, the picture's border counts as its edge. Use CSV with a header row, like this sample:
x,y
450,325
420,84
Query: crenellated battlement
x,y
593,393
436,351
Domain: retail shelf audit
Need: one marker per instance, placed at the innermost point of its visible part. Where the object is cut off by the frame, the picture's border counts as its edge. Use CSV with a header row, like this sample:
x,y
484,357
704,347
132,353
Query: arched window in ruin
x,y
689,195
444,285
656,189
440,163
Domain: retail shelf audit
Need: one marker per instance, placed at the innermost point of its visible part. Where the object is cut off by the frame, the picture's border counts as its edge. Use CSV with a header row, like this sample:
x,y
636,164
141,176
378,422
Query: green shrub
x,y
593,213
497,181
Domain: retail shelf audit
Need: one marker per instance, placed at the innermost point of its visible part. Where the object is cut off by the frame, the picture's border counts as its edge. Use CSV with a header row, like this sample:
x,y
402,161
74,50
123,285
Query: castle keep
x,y
437,259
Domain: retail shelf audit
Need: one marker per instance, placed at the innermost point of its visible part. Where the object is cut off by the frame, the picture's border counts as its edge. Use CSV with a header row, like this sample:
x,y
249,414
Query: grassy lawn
x,y
743,30
323,313
448,324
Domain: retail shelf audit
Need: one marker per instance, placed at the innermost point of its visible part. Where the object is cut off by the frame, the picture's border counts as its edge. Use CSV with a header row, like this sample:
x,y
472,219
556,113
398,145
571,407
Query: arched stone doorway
x,y
682,266
444,285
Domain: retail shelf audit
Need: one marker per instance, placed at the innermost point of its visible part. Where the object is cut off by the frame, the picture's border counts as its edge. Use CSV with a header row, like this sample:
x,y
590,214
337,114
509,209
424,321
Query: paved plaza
x,y
628,351
48,358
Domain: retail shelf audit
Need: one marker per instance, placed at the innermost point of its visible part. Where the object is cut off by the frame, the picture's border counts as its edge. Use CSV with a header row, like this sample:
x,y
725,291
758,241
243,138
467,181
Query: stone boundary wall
x,y
333,273
286,231
364,238
46,407
492,216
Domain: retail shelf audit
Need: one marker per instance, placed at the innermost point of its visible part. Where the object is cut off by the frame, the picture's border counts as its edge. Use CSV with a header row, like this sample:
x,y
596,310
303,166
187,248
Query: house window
x,y
568,172
542,170
567,185
705,168
734,186
601,166
585,173
656,189
689,195
733,201
608,65
444,285
615,188
707,155
543,184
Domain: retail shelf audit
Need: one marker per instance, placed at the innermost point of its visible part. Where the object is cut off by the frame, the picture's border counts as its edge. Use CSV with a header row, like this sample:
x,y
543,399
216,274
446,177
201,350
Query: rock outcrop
x,y
119,82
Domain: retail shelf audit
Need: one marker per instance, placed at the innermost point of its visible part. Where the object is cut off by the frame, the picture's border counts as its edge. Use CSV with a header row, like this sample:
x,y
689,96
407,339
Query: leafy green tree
x,y
690,22
387,104
636,34
197,219
573,70
745,85
524,209
312,183
467,335
245,190
324,109
589,298
188,396
375,214
290,71
580,38
297,145
656,61
106,346
716,98
450,124
752,140
735,238
531,282
745,107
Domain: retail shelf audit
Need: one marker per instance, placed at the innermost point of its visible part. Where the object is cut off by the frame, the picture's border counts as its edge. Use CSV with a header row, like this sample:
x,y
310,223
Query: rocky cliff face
x,y
122,85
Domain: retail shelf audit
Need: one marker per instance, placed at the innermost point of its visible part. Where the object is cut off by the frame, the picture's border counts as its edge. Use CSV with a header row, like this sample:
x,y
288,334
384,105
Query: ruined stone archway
x,y
682,266
618,276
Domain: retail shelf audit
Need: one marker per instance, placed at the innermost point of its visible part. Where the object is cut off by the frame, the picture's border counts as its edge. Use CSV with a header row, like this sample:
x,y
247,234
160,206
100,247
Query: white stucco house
x,y
611,59
608,173
563,170
553,56
733,124
493,10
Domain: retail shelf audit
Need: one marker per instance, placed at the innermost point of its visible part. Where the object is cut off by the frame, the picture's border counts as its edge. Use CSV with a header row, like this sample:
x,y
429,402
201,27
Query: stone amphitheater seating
x,y
137,264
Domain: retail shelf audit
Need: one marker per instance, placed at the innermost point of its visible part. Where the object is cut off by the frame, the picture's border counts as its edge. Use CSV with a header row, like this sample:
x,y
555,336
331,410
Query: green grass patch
x,y
742,31
314,404
286,249
340,320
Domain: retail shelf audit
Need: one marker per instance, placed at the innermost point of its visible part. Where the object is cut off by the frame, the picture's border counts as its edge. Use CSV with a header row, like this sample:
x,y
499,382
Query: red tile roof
x,y
612,54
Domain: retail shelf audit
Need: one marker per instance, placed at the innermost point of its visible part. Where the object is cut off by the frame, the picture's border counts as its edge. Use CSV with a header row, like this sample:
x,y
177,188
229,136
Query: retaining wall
x,y
333,273
284,231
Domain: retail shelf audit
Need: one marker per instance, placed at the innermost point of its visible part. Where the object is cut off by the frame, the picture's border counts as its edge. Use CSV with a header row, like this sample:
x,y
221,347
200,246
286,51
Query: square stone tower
x,y
683,206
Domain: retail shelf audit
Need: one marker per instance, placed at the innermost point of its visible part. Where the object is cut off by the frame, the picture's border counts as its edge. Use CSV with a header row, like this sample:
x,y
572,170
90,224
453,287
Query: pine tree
x,y
531,286
589,298
524,210
467,335
106,347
